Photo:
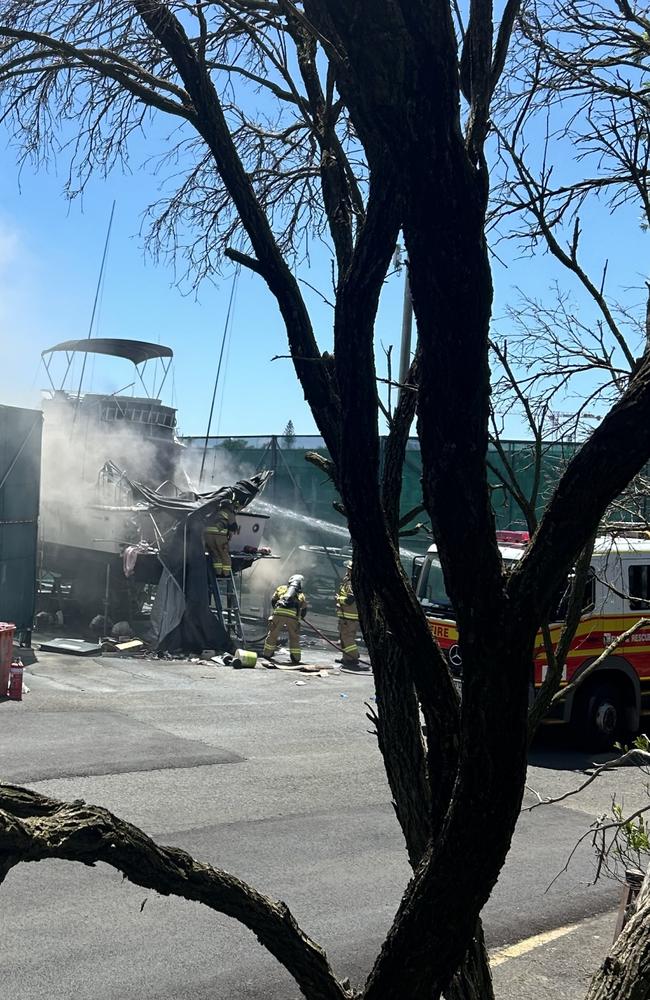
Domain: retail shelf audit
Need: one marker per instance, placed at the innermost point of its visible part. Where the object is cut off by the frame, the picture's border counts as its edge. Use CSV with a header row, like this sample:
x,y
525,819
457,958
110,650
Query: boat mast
x,y
92,317
216,381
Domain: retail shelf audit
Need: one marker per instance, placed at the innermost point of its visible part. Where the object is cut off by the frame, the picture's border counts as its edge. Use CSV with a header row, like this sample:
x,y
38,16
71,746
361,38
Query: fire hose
x,y
323,636
253,642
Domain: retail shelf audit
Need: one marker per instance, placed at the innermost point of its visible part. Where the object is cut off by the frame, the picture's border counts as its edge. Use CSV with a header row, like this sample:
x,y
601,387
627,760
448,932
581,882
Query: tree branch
x,y
549,692
595,476
315,379
244,259
635,758
613,646
107,64
34,828
502,44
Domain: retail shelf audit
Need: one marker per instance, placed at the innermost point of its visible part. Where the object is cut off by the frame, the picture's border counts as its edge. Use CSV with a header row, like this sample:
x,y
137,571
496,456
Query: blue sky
x,y
50,252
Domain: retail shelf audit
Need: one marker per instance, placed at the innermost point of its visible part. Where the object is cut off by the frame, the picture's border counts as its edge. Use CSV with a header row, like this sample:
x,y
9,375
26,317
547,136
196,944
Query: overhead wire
x,y
220,362
227,361
94,309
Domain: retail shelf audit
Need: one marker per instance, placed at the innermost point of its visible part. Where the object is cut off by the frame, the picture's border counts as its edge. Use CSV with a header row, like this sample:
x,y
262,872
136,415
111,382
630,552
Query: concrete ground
x,y
270,774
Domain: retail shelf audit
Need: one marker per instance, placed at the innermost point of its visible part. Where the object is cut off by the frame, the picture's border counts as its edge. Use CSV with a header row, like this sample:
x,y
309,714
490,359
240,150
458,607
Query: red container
x,y
7,632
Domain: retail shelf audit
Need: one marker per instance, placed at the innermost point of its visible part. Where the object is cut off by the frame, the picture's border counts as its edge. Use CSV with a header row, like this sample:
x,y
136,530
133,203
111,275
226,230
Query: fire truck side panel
x,y
618,596
616,670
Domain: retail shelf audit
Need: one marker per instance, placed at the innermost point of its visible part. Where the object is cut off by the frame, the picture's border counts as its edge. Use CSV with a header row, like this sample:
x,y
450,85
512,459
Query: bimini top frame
x,y
137,351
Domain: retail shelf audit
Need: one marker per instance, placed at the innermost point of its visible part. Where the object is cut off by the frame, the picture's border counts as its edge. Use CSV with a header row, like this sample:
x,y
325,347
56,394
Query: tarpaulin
x,y
182,619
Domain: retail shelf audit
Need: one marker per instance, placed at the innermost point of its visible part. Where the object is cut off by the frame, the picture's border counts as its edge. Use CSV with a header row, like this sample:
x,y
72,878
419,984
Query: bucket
x,y
244,658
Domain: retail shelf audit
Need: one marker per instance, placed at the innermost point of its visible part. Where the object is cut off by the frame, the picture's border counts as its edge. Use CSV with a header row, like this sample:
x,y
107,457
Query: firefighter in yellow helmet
x,y
289,608
217,534
348,618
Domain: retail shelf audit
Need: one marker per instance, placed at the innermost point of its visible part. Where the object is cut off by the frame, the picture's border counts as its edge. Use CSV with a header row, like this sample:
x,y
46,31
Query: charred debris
x,y
121,540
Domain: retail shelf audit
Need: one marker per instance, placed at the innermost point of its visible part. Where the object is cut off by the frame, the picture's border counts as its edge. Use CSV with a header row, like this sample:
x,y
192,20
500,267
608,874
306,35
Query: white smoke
x,y
76,445
221,466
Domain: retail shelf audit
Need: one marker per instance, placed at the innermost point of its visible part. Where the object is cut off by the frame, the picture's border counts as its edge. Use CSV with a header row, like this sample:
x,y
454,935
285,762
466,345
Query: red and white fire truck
x,y
611,701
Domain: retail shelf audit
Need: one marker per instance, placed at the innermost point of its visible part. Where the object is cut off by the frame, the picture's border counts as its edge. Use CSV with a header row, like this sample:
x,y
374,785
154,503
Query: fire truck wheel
x,y
599,715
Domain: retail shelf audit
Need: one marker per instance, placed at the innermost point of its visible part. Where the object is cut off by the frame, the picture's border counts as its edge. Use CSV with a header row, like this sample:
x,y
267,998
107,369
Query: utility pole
x,y
407,330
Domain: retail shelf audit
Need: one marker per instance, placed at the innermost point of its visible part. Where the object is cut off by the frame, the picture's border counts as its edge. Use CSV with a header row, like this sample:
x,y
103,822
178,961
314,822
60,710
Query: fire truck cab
x,y
611,701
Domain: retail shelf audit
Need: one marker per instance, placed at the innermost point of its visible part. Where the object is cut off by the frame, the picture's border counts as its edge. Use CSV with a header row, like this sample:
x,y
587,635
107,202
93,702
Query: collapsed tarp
x,y
181,618
181,612
205,504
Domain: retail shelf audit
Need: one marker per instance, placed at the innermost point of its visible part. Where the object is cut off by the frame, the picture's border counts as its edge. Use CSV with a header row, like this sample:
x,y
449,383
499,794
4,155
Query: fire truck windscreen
x,y
432,594
431,591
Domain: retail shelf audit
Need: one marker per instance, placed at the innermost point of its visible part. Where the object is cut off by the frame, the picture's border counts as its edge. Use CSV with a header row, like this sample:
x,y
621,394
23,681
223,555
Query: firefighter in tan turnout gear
x,y
216,537
289,607
348,618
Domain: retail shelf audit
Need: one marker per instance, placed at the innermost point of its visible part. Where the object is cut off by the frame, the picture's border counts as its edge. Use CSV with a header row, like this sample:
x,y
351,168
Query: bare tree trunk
x,y
625,973
473,981
397,721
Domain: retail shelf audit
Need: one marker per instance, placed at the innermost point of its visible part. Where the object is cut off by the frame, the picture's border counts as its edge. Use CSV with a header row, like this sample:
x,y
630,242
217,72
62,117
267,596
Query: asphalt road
x,y
275,780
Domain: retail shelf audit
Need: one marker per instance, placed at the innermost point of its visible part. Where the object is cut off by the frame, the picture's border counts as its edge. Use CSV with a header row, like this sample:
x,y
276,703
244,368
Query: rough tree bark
x,y
625,973
397,718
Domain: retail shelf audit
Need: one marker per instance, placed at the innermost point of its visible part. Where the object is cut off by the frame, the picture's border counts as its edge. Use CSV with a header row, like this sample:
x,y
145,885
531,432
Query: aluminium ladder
x,y
226,602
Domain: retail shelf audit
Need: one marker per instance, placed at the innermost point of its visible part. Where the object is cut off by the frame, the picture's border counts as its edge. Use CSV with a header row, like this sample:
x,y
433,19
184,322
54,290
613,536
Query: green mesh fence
x,y
307,535
300,487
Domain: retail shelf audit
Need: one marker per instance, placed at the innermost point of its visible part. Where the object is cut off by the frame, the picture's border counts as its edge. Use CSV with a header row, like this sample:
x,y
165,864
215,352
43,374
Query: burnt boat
x,y
95,446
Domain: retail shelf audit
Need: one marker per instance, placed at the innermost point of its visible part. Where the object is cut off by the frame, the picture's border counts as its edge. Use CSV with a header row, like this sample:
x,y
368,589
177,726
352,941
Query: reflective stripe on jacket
x,y
346,605
222,522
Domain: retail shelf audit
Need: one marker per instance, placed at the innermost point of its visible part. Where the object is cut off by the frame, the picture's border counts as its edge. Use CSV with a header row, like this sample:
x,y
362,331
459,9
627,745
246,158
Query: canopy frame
x,y
138,352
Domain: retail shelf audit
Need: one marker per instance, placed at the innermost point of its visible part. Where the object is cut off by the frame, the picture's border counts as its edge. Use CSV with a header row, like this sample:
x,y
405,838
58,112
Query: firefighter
x,y
348,617
217,534
289,607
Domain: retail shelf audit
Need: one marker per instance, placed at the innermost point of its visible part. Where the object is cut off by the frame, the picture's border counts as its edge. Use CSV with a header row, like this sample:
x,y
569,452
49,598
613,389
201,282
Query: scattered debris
x,y
300,683
122,631
43,620
78,647
244,658
99,625
130,647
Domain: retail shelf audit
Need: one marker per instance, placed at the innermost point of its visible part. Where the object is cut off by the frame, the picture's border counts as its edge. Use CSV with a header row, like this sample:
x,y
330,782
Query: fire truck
x,y
611,701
